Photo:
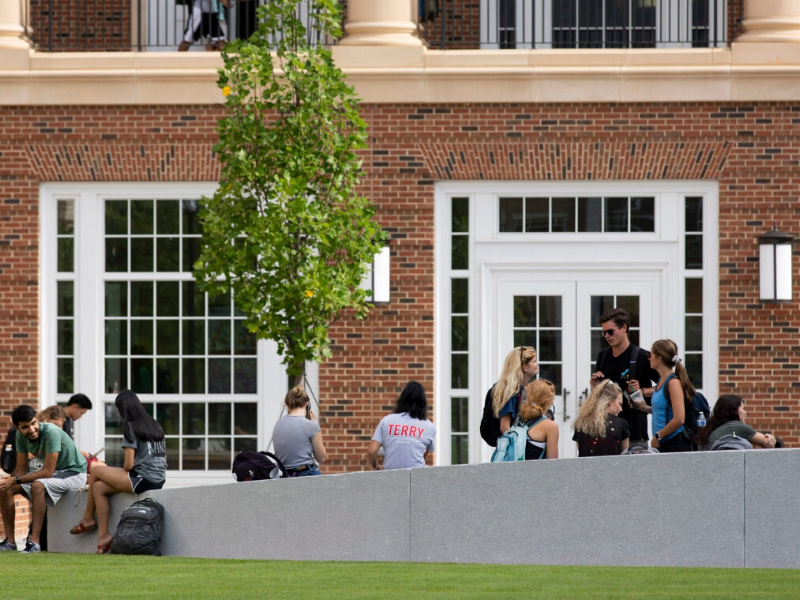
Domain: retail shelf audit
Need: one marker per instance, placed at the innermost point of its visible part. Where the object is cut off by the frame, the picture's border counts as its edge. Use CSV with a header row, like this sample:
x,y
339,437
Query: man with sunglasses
x,y
625,364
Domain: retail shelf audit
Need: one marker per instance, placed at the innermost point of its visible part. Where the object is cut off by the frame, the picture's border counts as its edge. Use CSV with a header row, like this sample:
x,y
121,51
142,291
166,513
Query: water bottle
x,y
701,420
637,397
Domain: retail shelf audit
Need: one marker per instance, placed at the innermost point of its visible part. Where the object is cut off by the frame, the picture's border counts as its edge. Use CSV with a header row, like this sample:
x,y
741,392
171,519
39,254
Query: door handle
x,y
582,397
566,394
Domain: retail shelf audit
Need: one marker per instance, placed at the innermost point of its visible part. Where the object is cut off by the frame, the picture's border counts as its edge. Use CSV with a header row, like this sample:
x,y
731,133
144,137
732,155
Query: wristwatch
x,y
657,436
19,480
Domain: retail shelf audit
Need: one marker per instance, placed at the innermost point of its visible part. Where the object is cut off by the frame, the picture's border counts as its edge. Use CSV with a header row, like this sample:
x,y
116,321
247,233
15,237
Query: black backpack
x,y
140,529
490,425
249,465
8,459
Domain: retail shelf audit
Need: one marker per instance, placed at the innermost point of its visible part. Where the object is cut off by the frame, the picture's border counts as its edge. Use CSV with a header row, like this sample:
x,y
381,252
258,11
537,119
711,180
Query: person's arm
x,y
678,410
624,444
551,438
130,458
372,454
45,472
18,471
762,440
505,423
319,448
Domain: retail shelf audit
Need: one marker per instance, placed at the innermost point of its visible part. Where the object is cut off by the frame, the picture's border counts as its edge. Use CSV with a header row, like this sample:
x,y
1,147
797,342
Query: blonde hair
x,y
539,397
667,351
593,415
51,413
511,377
296,398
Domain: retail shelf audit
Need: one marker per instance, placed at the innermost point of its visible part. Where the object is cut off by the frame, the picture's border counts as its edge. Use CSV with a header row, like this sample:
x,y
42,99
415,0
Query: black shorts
x,y
140,485
208,26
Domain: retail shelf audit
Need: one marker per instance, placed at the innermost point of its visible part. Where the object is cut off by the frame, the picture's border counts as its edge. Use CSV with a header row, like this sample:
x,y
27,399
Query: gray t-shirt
x,y
292,439
404,440
150,460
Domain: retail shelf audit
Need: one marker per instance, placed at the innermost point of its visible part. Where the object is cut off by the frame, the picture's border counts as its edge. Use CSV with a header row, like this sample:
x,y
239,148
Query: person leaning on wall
x,y
297,437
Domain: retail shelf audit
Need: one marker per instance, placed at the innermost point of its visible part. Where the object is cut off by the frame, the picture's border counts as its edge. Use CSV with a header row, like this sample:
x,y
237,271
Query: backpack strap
x,y
634,358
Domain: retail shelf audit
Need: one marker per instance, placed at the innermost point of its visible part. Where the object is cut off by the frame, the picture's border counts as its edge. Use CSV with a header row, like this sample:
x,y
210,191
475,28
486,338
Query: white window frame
x,y
484,200
89,316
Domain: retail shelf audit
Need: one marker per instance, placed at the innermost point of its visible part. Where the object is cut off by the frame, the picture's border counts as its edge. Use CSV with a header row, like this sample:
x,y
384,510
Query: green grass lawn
x,y
58,576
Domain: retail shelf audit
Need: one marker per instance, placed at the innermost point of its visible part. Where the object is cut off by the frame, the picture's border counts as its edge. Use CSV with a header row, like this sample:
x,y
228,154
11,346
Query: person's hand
x,y
312,416
85,454
7,482
654,442
597,377
770,443
633,385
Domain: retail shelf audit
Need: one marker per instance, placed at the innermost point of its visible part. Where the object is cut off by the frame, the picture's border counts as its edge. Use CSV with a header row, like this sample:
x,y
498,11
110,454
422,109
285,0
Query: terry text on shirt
x,y
406,430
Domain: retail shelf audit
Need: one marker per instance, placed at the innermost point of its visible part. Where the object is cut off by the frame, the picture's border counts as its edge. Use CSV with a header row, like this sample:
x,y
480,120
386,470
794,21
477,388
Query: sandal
x,y
103,548
81,528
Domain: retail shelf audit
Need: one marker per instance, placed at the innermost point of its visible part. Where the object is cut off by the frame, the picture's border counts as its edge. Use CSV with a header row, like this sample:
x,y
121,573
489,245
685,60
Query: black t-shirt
x,y
69,427
616,430
612,368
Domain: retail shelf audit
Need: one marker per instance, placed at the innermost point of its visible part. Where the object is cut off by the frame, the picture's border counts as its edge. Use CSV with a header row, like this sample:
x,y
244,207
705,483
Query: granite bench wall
x,y
721,509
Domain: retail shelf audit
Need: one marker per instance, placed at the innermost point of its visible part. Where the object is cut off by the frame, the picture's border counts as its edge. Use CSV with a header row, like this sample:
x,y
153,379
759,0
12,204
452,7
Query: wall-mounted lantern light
x,y
775,266
378,277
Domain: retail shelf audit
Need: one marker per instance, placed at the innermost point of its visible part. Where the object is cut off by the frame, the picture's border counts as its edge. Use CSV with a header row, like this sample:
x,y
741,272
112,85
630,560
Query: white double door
x,y
557,314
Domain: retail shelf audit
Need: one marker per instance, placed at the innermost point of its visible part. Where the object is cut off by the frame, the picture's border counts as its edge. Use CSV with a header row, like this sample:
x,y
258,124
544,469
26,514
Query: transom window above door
x,y
596,214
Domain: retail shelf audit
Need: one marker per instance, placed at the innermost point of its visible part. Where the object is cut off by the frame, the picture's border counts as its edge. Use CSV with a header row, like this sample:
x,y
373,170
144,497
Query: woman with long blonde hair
x,y
668,417
543,435
519,367
599,431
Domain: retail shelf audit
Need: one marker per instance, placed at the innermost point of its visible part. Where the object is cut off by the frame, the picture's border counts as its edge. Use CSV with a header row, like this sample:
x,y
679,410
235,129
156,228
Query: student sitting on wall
x,y
144,467
599,430
297,436
728,418
406,434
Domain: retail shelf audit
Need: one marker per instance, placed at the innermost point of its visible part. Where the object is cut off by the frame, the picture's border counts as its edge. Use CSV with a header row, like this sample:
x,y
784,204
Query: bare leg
x,y
109,480
88,514
39,509
9,513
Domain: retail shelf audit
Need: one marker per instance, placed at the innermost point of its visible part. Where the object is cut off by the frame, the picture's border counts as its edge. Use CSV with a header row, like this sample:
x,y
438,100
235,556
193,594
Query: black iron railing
x,y
143,25
552,24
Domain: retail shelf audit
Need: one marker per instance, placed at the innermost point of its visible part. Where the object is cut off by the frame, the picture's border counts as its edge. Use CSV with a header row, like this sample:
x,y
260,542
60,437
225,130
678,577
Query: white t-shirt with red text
x,y
404,440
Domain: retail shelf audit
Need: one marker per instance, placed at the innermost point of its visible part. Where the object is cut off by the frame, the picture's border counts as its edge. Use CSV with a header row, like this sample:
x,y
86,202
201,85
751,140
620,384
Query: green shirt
x,y
53,439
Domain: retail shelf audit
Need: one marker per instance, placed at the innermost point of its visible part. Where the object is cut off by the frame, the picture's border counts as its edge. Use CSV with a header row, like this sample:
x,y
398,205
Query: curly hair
x,y
667,351
593,415
726,409
539,396
511,377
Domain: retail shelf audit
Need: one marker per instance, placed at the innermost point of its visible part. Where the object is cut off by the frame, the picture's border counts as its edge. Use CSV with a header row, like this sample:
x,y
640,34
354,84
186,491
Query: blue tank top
x,y
662,412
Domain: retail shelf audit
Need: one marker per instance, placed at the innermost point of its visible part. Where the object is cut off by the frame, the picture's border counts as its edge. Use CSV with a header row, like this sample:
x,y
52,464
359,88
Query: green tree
x,y
286,231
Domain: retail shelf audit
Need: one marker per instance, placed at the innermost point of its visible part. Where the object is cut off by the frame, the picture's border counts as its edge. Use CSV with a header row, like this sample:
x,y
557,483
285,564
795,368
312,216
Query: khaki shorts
x,y
56,486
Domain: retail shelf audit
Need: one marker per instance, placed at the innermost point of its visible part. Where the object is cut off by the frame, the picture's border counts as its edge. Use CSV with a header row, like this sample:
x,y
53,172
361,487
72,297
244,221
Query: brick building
x,y
526,186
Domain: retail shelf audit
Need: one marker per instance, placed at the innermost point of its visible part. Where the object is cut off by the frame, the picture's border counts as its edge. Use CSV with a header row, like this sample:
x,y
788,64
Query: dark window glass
x,y
245,418
459,449
643,214
65,336
116,337
219,418
116,255
460,252
459,371
511,215
65,372
194,418
167,336
459,334
459,415
116,298
245,380
219,375
590,215
194,336
191,220
168,254
142,337
194,454
141,217
116,217
550,311
694,334
616,215
142,375
460,216
66,255
694,368
167,217
563,215
141,298
537,215
167,298
549,345
116,375
694,295
65,303
524,311
142,255
694,214
194,376
66,217
193,300
459,295
694,251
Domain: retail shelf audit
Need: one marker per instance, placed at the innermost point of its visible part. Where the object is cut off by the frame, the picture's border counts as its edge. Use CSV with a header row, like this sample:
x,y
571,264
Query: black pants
x,y
679,443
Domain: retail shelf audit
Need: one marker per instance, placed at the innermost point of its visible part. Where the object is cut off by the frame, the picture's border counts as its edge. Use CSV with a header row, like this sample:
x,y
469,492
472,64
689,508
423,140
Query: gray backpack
x,y
731,441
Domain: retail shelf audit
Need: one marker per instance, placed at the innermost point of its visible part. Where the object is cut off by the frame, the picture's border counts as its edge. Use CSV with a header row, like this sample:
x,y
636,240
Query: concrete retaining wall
x,y
716,509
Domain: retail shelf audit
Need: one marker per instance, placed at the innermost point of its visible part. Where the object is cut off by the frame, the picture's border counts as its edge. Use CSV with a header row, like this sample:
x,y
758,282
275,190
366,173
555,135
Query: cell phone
x,y
308,411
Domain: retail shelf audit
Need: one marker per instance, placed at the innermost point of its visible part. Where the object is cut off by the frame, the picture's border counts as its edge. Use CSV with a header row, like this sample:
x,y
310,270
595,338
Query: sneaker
x,y
6,545
31,547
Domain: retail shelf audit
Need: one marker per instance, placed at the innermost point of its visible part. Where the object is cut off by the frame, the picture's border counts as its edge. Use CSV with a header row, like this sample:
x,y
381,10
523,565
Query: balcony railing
x,y
142,25
552,24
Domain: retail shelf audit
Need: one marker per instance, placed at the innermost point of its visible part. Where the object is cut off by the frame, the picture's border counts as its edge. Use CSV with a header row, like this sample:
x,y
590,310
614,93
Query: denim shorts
x,y
312,470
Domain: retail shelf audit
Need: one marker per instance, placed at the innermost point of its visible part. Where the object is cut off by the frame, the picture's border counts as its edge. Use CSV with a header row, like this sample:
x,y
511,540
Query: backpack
x,y
490,425
692,410
249,465
511,445
8,459
731,441
140,529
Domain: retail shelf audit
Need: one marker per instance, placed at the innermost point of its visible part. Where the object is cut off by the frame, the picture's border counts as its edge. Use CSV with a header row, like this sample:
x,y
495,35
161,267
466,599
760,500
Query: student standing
x,y
669,415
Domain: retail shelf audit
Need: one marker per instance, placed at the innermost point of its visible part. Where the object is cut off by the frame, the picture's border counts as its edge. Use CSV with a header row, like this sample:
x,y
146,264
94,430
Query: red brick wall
x,y
81,25
752,150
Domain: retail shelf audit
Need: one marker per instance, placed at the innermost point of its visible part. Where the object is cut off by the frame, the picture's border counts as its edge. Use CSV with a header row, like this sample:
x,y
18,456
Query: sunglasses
x,y
608,332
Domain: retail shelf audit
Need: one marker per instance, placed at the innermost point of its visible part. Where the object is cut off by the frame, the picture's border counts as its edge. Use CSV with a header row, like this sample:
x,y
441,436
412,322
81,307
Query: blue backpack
x,y
511,445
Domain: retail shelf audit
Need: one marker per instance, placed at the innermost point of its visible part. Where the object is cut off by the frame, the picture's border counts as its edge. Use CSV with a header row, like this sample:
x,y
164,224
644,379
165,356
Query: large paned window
x,y
127,314
459,328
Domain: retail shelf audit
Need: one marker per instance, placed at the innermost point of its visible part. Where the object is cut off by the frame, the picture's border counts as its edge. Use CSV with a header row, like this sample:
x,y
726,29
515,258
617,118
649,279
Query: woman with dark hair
x,y
297,437
543,435
144,467
668,417
728,418
599,430
406,434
